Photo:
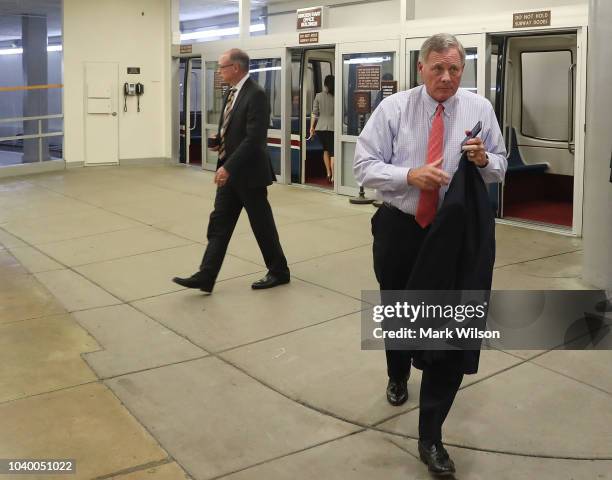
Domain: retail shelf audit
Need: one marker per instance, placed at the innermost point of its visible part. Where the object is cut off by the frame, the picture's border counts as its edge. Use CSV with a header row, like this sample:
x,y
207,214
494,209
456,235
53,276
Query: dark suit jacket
x,y
247,159
458,252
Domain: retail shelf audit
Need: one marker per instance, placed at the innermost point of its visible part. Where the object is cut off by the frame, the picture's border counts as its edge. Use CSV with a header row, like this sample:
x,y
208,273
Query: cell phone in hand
x,y
475,131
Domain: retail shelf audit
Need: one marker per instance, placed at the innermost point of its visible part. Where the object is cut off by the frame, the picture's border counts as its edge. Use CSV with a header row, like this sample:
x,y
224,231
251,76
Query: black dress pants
x,y
229,202
397,242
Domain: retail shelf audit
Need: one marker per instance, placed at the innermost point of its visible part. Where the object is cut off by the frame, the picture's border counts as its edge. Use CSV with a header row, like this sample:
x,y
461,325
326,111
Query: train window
x,y
492,93
545,99
468,80
214,95
267,73
295,94
358,104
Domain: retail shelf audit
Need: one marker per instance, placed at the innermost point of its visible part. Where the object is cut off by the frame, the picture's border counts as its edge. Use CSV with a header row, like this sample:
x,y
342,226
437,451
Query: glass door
x,y
366,73
215,90
190,113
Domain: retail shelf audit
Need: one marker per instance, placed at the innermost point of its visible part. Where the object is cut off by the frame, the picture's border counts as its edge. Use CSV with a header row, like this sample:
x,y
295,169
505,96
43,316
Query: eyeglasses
x,y
224,66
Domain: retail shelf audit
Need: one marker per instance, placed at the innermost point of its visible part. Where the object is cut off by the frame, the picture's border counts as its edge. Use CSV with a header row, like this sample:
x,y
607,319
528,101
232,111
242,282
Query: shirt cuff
x,y
488,164
399,177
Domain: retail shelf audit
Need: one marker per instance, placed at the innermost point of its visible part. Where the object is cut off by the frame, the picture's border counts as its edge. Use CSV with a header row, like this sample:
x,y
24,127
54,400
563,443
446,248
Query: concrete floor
x,y
104,360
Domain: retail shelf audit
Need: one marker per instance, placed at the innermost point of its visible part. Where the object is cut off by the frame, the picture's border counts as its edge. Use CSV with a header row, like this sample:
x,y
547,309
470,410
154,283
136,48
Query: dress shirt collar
x,y
239,85
431,104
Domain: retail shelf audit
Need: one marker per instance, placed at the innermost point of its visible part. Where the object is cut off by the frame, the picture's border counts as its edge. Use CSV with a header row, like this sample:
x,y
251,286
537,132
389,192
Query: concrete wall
x,y
597,230
117,31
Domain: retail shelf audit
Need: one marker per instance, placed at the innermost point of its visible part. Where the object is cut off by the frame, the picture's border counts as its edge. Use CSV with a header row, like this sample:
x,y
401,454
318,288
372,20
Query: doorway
x,y
533,88
309,68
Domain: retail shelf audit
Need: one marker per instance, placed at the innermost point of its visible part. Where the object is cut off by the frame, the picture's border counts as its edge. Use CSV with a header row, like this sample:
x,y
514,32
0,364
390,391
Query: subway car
x,y
534,76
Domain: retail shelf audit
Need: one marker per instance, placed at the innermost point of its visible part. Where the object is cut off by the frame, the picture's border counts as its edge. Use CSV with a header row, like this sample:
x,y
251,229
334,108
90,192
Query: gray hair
x,y
438,43
239,57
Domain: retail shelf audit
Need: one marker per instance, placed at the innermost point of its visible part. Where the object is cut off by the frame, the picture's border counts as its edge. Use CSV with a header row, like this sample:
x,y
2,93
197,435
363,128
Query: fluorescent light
x,y
265,69
221,32
368,60
11,51
19,51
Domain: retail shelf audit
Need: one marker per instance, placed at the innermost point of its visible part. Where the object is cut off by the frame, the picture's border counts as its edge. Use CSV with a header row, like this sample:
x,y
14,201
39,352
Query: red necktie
x,y
428,199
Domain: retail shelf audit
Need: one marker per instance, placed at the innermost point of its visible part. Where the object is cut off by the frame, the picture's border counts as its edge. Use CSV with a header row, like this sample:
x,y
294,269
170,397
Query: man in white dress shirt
x,y
409,150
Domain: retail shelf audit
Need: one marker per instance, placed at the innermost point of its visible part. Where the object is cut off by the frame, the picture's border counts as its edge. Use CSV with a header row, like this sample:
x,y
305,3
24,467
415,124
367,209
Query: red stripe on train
x,y
277,141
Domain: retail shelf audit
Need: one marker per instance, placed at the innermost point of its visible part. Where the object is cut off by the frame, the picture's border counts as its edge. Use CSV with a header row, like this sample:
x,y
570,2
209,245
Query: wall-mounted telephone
x,y
131,89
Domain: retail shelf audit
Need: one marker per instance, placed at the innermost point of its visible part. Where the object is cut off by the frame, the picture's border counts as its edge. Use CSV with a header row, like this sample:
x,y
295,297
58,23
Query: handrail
x,y
40,117
509,111
570,107
20,88
31,136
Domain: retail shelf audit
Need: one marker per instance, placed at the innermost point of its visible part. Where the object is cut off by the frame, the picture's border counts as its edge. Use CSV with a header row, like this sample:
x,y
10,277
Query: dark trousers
x,y
397,242
229,202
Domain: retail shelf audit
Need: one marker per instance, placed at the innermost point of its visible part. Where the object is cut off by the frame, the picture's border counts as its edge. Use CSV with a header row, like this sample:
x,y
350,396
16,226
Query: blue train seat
x,y
515,162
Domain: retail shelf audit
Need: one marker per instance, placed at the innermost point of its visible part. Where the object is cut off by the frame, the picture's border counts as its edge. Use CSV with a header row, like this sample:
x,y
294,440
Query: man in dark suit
x,y
244,172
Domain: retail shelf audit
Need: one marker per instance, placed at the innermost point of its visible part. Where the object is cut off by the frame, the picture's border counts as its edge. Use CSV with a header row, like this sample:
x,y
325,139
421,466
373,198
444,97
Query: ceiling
x,y
11,12
196,9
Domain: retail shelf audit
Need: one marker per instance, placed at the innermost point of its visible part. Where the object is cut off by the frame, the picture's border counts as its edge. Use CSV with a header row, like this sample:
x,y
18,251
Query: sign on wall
x,y
309,18
531,19
361,101
388,87
368,77
308,37
186,48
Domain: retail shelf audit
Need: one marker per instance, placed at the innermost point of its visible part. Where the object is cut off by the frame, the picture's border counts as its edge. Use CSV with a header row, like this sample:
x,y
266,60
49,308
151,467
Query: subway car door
x,y
316,65
536,103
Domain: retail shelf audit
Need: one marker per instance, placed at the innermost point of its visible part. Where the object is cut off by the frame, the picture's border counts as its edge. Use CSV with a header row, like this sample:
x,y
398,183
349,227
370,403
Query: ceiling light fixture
x,y
220,32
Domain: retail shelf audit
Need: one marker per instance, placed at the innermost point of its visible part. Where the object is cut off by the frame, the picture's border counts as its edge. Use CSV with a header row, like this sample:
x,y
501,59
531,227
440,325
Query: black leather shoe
x,y
269,281
436,458
397,391
195,281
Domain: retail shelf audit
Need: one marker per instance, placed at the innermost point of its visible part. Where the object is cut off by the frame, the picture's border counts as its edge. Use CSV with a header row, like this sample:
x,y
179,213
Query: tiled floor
x,y
104,360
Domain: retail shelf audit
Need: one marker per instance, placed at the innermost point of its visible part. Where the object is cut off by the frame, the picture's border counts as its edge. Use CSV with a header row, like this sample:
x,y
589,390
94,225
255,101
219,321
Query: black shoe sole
x,y
446,473
397,404
200,287
265,286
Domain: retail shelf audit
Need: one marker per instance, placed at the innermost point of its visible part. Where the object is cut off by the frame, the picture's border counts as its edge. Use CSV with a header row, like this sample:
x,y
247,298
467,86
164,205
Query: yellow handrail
x,y
31,87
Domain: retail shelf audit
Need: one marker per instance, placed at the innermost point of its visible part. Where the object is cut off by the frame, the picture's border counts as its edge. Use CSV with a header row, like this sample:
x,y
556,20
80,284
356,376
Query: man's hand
x,y
221,176
312,132
476,151
428,177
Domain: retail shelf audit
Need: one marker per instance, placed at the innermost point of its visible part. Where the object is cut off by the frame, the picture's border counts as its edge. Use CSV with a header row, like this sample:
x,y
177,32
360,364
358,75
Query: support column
x,y
597,223
35,72
173,84
244,20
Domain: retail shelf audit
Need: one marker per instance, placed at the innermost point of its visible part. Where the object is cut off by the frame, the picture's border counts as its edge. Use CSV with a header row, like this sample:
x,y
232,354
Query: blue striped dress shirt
x,y
395,140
